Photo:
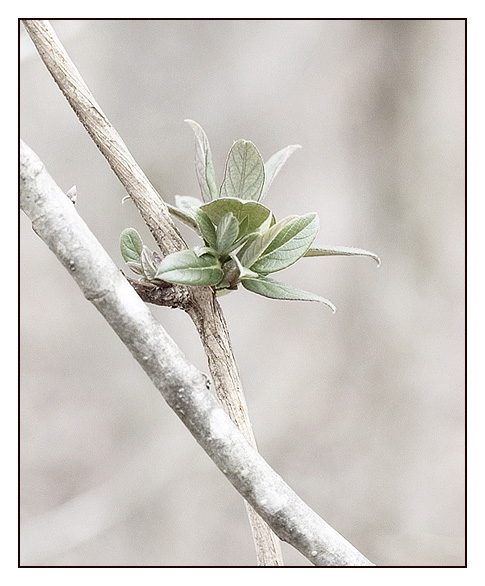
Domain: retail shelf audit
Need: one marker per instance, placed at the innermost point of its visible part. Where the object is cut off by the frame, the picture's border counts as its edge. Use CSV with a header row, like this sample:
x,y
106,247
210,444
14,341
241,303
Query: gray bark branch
x,y
57,223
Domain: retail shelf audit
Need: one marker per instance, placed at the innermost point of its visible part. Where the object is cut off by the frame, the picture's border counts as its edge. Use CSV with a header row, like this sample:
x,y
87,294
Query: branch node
x,y
164,294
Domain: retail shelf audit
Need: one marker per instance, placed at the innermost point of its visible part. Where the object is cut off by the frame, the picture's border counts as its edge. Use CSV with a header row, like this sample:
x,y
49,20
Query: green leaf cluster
x,y
243,242
138,257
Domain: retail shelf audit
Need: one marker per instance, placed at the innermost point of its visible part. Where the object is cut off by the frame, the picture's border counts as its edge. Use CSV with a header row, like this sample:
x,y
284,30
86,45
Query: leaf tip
x,y
193,124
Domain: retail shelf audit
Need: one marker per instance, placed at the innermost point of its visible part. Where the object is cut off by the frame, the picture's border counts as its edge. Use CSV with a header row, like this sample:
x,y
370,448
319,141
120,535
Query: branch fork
x,y
270,502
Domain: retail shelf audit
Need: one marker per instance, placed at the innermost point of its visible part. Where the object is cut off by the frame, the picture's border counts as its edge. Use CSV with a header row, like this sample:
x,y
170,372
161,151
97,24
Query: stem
x,y
56,221
203,307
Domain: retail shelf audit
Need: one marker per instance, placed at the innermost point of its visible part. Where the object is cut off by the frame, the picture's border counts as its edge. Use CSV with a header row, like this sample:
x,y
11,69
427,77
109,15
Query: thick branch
x,y
56,221
203,307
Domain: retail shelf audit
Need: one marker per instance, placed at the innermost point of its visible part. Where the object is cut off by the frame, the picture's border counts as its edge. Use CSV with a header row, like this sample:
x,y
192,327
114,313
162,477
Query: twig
x,y
56,221
202,306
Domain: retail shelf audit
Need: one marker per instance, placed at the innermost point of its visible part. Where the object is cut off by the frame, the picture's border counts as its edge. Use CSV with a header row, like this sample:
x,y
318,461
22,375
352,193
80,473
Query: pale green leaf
x,y
255,246
187,202
287,244
187,268
183,216
274,164
276,290
256,213
204,166
244,172
131,245
343,251
206,227
135,267
244,225
227,232
243,271
184,208
148,264
221,292
201,250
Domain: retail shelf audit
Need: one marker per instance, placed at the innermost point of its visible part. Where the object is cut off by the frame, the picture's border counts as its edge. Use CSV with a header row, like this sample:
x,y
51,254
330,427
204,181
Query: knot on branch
x,y
165,294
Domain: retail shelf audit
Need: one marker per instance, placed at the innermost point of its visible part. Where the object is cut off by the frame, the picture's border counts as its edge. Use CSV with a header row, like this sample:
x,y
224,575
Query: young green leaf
x,y
205,226
285,243
341,250
182,216
201,250
148,264
276,290
244,172
131,245
227,232
274,164
244,226
183,209
187,202
135,267
256,213
256,244
187,268
233,273
204,166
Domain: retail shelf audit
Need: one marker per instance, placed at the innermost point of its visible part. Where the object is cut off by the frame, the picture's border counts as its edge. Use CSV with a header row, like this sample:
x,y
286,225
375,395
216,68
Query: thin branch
x,y
202,307
56,221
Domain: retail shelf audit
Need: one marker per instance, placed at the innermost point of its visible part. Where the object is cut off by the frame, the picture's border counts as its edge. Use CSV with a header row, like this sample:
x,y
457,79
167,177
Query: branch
x,y
202,306
56,221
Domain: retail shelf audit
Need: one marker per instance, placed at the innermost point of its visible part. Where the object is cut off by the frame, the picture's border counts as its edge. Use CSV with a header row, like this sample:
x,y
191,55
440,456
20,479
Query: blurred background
x,y
361,412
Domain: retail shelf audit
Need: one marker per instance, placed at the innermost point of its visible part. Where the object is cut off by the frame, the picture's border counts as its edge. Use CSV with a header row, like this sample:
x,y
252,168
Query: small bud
x,y
72,194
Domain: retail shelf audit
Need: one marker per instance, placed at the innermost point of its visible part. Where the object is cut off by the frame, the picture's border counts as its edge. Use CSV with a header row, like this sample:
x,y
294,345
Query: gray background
x,y
361,412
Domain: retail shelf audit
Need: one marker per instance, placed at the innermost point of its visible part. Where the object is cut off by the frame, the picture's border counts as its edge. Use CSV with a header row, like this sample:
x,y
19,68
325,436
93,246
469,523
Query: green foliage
x,y
243,242
190,267
282,245
274,164
251,216
276,290
138,257
244,173
131,245
204,167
